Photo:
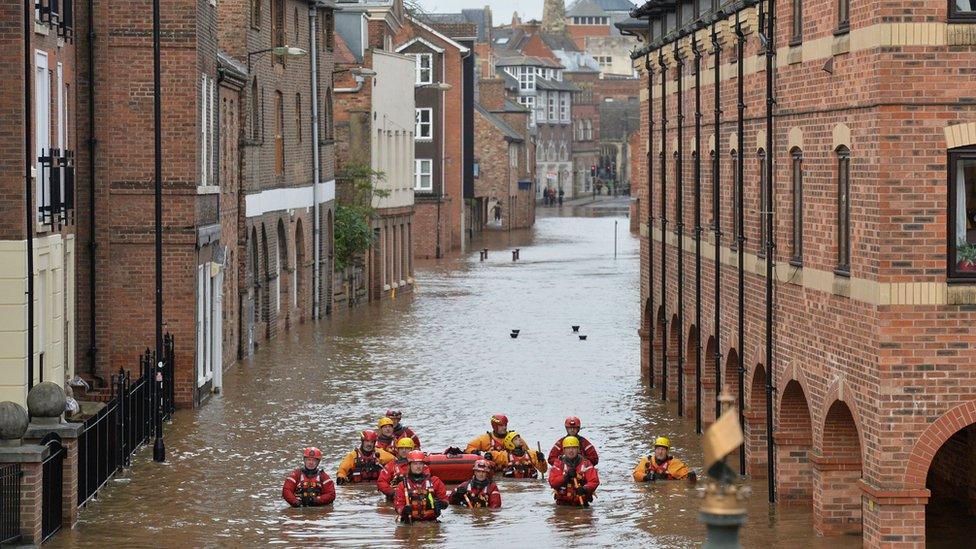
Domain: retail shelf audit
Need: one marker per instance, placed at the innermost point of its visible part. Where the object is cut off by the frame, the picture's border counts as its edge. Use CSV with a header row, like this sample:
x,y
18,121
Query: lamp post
x,y
441,87
280,51
159,448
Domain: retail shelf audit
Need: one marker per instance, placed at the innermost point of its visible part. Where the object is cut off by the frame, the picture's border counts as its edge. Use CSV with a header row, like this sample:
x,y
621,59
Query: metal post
x,y
716,216
679,183
28,185
664,224
159,449
698,233
316,168
650,212
770,248
740,216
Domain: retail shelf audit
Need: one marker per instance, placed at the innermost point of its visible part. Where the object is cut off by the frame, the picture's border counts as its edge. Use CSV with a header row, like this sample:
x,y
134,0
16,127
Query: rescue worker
x,y
661,466
363,463
480,491
420,496
491,445
573,478
309,486
387,439
520,461
401,431
573,425
394,471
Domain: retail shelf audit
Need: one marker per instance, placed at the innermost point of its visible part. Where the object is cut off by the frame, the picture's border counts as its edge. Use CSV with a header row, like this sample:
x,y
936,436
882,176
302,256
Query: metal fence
x,y
52,482
9,502
110,437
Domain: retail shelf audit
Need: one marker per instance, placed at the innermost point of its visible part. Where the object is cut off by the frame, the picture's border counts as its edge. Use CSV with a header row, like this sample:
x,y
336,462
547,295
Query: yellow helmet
x,y
662,441
510,440
405,442
571,442
385,421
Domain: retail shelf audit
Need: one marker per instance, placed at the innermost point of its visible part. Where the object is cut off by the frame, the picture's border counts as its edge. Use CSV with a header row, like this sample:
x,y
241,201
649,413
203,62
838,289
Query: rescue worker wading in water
x,y
573,478
480,491
573,425
491,445
363,463
387,440
661,466
309,486
401,431
420,496
520,461
394,471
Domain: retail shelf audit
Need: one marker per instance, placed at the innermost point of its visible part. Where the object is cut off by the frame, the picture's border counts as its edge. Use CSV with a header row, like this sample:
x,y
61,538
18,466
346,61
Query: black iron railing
x,y
10,502
52,478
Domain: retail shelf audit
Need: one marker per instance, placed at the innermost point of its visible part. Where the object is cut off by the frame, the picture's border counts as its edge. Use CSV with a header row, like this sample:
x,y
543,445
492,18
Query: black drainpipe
x,y
740,216
650,212
681,231
664,224
29,187
698,232
770,248
92,243
717,223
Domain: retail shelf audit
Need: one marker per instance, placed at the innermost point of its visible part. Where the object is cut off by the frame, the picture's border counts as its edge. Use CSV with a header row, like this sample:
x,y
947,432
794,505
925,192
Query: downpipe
x,y
717,222
650,213
679,182
770,247
664,225
698,233
740,215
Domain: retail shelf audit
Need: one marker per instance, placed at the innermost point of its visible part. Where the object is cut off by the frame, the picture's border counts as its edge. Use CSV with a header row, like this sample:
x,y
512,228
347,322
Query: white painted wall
x,y
392,137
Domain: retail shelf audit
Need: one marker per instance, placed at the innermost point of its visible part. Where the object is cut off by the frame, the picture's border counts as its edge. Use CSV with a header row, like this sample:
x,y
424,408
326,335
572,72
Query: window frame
x,y
736,222
953,157
763,190
796,182
420,124
843,17
796,23
279,133
418,173
843,219
256,9
959,17
418,62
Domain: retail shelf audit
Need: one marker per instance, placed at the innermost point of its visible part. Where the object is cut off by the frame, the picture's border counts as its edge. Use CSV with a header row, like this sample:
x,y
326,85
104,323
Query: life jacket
x,y
497,445
520,466
420,497
659,471
400,467
367,466
478,496
384,442
572,494
309,487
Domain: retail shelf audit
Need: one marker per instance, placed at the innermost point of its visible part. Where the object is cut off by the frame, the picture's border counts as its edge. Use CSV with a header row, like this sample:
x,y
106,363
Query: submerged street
x,y
444,357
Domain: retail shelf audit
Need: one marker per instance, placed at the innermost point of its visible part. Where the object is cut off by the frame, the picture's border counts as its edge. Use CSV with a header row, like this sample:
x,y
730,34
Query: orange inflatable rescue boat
x,y
452,466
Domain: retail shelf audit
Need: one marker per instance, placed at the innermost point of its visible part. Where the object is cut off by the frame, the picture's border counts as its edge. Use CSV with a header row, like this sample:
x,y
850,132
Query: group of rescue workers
x,y
392,459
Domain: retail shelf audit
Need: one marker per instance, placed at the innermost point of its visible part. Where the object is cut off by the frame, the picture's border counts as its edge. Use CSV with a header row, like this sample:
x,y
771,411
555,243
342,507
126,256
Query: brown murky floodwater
x,y
444,357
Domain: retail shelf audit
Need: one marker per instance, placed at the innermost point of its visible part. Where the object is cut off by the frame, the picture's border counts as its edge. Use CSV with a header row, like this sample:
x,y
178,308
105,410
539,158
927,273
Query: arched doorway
x,y
283,283
836,471
691,360
646,326
673,357
327,267
265,280
659,335
794,440
950,515
301,272
709,369
755,427
730,379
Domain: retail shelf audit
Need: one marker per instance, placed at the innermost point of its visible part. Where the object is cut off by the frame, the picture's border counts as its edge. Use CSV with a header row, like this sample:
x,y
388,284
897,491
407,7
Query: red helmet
x,y
499,419
394,414
573,421
482,465
368,434
312,452
416,455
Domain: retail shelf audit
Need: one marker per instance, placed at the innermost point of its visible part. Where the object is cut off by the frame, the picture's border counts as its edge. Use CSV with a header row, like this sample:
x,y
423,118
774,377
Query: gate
x,y
9,502
51,486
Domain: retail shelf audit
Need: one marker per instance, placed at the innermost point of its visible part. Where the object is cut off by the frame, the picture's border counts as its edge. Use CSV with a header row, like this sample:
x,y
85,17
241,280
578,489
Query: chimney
x,y
554,16
491,93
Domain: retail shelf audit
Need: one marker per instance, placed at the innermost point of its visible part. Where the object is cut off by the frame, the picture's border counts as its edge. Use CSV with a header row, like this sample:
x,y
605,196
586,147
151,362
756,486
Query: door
x,y
42,125
201,331
217,332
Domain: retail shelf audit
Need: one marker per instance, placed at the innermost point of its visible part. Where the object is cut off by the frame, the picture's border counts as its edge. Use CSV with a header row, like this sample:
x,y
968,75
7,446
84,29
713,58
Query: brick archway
x,y
647,324
659,335
794,441
673,356
730,377
691,357
709,368
932,439
755,427
837,474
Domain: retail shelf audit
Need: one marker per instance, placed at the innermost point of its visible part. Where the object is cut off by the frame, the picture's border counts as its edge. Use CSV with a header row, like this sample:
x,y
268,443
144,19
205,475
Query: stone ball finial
x,y
13,421
46,400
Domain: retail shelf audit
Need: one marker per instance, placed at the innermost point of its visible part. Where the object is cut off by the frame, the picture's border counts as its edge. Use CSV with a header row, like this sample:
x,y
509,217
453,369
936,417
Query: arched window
x,y
295,27
843,210
279,133
763,196
736,222
796,169
255,110
589,129
281,266
797,26
277,24
298,116
256,14
327,117
843,15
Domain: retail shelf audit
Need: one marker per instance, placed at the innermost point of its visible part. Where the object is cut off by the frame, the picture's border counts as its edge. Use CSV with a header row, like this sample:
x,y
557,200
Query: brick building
x,y
46,71
872,318
505,152
592,25
439,139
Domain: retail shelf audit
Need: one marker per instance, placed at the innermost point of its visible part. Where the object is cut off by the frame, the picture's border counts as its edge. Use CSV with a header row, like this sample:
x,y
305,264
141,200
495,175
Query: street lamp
x,y
159,448
441,87
280,51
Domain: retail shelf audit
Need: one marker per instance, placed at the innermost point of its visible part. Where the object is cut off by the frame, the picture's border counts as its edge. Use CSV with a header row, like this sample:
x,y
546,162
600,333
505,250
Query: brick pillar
x,y
755,435
30,458
708,396
658,358
794,474
836,495
893,519
645,363
673,365
69,433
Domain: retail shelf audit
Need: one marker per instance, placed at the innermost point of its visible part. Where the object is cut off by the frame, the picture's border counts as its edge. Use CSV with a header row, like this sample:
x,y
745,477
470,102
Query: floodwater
x,y
444,357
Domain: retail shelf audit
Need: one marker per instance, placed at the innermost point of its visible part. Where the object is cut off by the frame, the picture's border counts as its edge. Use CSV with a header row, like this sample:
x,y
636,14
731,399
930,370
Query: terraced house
x,y
816,162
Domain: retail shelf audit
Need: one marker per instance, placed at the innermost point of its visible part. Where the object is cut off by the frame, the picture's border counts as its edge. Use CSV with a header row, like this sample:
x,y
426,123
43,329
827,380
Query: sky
x,y
501,10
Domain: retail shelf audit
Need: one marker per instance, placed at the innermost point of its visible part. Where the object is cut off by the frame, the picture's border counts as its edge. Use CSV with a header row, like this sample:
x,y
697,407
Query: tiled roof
x,y
554,85
508,131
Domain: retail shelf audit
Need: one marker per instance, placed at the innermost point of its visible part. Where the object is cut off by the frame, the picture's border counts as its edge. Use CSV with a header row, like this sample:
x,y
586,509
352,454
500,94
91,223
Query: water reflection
x,y
445,358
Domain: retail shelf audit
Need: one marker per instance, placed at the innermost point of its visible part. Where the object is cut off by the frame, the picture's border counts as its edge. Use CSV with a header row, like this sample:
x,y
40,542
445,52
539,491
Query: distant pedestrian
x,y
498,213
561,193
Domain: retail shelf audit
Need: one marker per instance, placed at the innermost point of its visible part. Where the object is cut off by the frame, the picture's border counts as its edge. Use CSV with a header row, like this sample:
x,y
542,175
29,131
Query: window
x,y
255,111
425,68
564,107
42,139
425,125
328,30
423,174
327,115
843,16
763,197
295,28
797,235
279,134
736,222
797,27
298,115
207,125
589,130
962,10
552,107
512,156
277,24
962,213
843,210
256,14
526,78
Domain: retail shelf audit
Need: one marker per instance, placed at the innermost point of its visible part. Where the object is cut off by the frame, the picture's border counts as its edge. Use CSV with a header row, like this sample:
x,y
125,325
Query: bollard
x,y
486,253
481,255
514,255
518,253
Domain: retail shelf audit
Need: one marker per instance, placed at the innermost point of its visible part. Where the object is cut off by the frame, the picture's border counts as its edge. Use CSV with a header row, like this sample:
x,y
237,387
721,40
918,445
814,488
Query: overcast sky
x,y
501,10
